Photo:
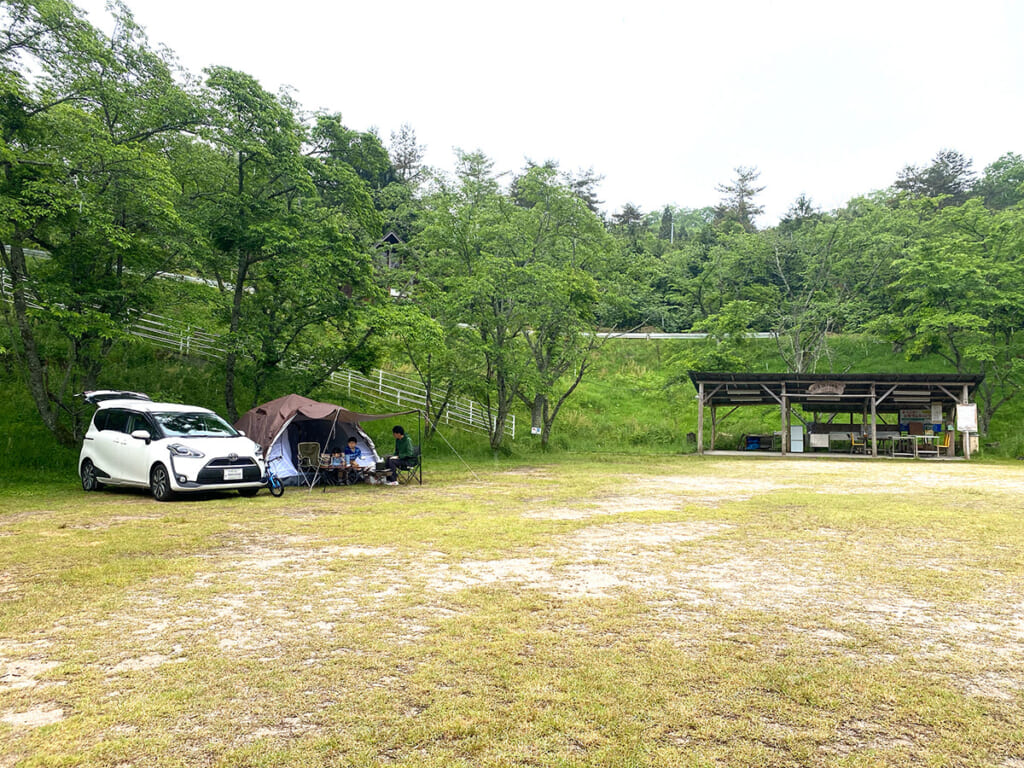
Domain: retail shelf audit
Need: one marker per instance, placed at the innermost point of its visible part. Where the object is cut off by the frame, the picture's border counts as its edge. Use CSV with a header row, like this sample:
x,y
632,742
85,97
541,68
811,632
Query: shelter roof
x,y
835,392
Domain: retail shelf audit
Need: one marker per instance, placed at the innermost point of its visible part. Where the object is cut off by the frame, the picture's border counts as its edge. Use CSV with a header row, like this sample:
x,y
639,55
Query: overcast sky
x,y
664,99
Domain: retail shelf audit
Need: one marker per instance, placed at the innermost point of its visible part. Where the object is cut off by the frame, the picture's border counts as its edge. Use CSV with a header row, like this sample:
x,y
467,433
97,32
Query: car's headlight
x,y
183,450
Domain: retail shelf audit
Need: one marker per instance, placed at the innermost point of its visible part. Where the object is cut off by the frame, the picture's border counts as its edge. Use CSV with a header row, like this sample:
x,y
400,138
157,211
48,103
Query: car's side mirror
x,y
142,434
241,432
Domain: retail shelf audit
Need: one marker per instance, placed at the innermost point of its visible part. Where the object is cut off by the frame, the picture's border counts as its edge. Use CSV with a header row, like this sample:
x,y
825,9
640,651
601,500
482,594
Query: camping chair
x,y
309,462
411,469
858,443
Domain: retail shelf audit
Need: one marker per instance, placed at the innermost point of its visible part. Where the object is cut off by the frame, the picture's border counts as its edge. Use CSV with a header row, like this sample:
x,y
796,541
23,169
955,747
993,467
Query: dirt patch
x,y
590,563
148,661
528,472
994,686
23,672
263,593
46,714
637,536
662,493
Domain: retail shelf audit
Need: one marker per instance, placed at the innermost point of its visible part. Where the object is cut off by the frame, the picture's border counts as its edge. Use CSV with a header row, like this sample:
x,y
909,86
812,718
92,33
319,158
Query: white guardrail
x,y
381,386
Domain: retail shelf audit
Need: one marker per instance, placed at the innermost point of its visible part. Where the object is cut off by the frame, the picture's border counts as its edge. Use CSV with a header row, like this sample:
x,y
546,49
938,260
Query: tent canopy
x,y
265,422
281,424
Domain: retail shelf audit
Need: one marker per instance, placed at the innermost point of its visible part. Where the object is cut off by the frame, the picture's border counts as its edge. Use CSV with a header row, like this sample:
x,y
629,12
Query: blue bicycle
x,y
274,482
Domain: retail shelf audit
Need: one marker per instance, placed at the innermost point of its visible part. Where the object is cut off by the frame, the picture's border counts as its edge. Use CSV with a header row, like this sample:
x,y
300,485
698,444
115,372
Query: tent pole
x,y
330,436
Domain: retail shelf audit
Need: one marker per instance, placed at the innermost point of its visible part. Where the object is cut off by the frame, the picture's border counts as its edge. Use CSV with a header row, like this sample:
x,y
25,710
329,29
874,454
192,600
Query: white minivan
x,y
166,447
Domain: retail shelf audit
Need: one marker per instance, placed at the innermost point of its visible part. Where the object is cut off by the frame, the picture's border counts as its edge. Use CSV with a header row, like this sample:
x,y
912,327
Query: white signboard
x,y
967,417
937,413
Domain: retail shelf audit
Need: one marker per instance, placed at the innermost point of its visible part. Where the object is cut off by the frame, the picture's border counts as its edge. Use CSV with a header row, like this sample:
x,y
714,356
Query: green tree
x,y
457,259
628,223
727,346
958,294
407,155
84,177
949,176
738,205
808,302
424,334
562,245
666,227
289,219
515,268
1002,184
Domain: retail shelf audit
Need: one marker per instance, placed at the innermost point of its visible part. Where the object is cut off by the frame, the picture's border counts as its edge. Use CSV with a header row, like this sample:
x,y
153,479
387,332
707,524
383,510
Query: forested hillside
x,y
328,247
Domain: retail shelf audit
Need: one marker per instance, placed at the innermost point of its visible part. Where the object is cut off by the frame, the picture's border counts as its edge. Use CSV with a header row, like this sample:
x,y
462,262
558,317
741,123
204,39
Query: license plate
x,y
233,473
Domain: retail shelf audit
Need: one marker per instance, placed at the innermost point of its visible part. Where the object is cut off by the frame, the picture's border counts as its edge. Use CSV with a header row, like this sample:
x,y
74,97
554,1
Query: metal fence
x,y
183,338
405,392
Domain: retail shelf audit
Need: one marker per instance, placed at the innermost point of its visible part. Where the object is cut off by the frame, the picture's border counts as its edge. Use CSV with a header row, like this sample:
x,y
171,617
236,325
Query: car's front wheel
x,y
248,492
90,480
160,483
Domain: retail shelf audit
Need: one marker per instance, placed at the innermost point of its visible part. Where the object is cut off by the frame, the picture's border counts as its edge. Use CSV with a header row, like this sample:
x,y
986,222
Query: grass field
x,y
661,612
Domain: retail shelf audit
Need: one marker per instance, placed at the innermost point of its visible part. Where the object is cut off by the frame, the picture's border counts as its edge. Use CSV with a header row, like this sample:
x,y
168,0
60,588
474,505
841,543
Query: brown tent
x,y
280,425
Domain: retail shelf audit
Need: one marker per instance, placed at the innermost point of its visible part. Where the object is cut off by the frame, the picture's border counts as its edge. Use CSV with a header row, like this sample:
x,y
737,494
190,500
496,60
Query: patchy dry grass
x,y
713,612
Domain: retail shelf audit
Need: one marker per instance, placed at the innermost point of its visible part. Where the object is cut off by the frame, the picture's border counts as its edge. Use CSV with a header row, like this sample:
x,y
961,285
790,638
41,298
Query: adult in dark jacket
x,y
403,456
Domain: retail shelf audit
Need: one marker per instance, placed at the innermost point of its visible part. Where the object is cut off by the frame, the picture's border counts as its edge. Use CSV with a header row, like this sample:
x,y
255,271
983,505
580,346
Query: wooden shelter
x,y
875,397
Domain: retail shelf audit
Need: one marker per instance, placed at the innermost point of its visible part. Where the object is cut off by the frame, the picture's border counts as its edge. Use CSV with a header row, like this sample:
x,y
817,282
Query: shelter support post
x,y
714,425
965,433
874,423
785,421
700,419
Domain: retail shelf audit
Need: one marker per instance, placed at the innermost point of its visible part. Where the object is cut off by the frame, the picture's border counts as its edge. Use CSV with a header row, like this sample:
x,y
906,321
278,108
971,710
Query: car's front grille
x,y
241,461
213,472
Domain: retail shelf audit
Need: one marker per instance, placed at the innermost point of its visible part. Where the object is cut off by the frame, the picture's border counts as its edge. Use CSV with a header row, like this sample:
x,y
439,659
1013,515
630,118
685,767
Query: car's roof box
x,y
97,396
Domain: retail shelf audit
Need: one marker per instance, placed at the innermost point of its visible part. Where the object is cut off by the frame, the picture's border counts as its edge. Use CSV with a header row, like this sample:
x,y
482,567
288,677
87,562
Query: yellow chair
x,y
942,447
858,443
938,447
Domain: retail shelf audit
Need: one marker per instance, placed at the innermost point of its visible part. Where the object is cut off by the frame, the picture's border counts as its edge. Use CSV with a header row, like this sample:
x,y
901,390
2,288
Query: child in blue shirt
x,y
352,452
353,472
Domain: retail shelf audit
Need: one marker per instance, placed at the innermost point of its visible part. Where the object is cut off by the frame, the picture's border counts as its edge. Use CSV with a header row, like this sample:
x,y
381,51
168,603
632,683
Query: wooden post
x,y
785,421
874,423
714,425
700,419
967,435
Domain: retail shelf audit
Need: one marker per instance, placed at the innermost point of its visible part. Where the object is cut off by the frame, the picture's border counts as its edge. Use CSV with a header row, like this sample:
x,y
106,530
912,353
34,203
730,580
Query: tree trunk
x,y
35,369
539,417
504,402
231,360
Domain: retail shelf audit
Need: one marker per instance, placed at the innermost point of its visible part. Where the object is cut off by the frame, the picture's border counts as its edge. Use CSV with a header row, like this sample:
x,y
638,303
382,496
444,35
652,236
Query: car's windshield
x,y
194,424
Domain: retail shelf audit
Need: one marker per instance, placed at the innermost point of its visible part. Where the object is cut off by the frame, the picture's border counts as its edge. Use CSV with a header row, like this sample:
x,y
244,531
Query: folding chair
x,y
411,469
309,462
858,443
